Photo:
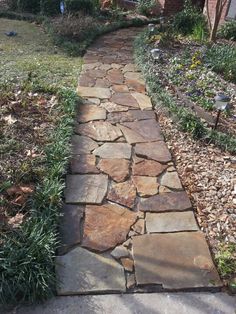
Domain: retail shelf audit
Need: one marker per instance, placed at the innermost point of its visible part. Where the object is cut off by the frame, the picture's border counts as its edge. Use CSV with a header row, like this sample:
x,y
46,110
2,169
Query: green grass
x,y
225,259
31,62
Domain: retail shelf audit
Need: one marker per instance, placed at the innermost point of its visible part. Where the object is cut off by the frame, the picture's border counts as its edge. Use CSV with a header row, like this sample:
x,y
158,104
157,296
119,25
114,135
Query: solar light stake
x,y
221,103
151,28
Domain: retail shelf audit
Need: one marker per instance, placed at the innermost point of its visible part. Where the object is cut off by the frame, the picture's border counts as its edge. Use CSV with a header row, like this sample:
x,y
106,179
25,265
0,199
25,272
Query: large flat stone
x,y
106,226
113,150
157,151
83,164
144,167
134,76
174,260
87,188
130,116
81,271
99,131
173,201
171,222
143,100
138,303
70,224
82,145
171,180
124,99
97,92
145,186
91,112
136,85
141,131
117,169
122,193
112,107
115,76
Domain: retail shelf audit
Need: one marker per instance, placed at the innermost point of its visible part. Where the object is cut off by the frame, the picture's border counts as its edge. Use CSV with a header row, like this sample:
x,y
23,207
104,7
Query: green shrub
x,y
145,6
85,6
32,6
185,21
222,59
50,7
200,31
228,30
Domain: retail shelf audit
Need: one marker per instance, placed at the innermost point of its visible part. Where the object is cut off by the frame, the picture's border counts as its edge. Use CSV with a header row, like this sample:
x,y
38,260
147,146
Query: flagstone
x,y
157,151
130,67
120,251
81,271
83,164
102,82
174,260
105,67
174,201
89,66
130,116
139,226
99,131
70,225
146,186
86,81
86,189
124,99
112,107
90,112
120,88
90,101
171,180
135,76
141,131
122,193
115,76
106,226
113,150
97,92
117,169
144,167
82,145
171,222
127,263
135,85
143,100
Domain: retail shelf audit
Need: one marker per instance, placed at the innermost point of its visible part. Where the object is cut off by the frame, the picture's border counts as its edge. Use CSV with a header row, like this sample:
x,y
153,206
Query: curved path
x,y
128,225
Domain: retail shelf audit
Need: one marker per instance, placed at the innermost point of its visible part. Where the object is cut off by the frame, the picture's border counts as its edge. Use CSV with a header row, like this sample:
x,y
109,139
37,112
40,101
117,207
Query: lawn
x,y
38,101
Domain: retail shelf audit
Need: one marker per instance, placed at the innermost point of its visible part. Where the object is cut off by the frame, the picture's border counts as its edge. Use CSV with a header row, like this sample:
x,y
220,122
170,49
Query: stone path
x,y
128,225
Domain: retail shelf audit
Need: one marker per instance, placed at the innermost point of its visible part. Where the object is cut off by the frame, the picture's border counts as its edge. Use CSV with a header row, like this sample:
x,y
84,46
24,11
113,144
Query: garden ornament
x,y
11,34
221,104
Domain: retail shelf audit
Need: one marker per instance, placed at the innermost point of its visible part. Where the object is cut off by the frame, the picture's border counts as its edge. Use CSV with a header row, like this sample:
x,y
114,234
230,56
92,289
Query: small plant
x,y
225,259
145,6
200,31
185,21
84,6
228,30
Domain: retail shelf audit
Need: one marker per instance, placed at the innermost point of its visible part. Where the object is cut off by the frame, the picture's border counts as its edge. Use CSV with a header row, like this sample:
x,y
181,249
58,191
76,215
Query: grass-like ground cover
x,y
38,101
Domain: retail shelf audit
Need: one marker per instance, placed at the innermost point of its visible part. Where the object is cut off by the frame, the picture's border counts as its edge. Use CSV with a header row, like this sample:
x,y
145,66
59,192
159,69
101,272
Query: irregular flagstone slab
x,y
112,107
70,224
99,131
101,82
130,116
174,201
82,145
120,251
171,222
81,271
83,164
90,101
124,99
135,85
141,131
120,88
87,188
90,112
122,193
171,180
174,260
91,66
146,186
117,169
157,151
143,100
106,226
130,67
86,81
113,150
144,167
96,92
135,76
115,76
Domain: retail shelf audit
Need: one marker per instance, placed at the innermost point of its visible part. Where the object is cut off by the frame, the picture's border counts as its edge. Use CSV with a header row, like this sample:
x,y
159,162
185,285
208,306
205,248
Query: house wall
x,y
212,5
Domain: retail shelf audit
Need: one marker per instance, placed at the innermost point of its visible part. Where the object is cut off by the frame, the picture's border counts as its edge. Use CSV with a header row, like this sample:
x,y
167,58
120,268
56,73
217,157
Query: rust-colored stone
x,y
117,169
124,99
146,186
144,167
122,193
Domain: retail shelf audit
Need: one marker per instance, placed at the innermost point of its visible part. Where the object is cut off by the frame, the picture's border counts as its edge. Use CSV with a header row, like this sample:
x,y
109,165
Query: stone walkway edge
x,y
128,225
